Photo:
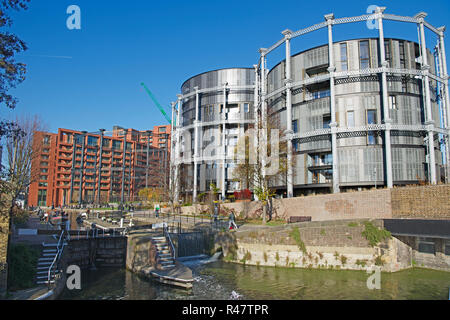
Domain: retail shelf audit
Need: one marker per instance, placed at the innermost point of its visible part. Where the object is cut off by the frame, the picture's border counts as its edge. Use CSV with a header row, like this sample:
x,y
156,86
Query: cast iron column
x,y
333,125
384,90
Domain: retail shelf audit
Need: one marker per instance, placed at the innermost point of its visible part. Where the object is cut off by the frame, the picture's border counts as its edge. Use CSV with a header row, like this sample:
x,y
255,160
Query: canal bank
x,y
345,245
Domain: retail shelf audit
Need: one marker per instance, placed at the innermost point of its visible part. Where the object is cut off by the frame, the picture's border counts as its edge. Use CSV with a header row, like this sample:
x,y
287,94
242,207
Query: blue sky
x,y
90,78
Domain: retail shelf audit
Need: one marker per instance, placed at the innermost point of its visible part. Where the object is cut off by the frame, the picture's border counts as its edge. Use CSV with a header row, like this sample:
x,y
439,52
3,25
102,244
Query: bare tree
x,y
252,170
22,150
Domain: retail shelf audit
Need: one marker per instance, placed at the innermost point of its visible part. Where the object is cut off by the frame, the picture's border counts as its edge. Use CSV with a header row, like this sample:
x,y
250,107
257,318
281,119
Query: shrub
x,y
322,232
379,261
336,255
374,235
353,224
22,266
343,259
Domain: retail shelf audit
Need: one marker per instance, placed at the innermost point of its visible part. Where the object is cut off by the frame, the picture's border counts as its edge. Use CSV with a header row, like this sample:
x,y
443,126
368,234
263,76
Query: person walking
x,y
231,222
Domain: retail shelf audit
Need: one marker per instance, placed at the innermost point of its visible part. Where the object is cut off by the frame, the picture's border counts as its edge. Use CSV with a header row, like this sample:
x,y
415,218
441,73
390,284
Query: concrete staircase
x,y
165,258
49,251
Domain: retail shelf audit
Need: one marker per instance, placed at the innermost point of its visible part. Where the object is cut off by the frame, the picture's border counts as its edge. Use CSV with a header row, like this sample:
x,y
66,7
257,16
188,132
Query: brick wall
x,y
421,202
374,204
406,202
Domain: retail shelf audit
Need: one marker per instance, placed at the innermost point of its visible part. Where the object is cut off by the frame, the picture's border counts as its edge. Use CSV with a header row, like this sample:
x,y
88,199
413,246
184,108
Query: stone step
x,y
49,251
46,277
45,267
43,271
52,244
165,255
45,282
46,259
167,266
166,261
52,254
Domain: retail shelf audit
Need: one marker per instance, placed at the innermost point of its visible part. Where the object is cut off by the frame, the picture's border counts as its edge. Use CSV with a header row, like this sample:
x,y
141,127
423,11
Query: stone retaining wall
x,y
329,245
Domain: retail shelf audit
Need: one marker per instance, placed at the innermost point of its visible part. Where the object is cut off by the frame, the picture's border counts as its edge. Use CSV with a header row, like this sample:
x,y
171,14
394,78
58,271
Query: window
x,y
426,245
46,140
447,247
350,118
79,139
44,157
387,51
106,143
393,102
246,107
371,119
45,150
344,61
295,145
294,126
44,170
92,141
42,197
326,119
44,164
162,129
364,57
402,55
117,144
43,178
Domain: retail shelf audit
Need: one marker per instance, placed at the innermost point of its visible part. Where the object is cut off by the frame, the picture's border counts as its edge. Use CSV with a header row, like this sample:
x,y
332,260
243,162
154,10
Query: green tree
x,y
12,72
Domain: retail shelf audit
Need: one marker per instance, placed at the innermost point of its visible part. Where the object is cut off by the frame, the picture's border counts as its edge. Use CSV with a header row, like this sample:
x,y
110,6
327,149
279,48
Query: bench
x,y
294,219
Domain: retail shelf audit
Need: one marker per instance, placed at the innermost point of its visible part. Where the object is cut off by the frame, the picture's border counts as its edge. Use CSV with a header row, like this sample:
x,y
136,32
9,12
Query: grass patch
x,y
295,234
361,263
353,224
374,234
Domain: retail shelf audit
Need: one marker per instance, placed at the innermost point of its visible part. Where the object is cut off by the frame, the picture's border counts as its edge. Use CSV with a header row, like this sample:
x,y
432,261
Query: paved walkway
x,y
33,223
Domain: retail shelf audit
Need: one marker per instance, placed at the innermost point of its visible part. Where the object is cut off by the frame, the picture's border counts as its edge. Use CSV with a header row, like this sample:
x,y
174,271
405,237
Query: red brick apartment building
x,y
81,167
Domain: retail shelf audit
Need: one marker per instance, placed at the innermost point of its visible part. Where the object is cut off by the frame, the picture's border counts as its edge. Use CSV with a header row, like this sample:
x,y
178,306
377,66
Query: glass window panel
x,y
364,56
350,119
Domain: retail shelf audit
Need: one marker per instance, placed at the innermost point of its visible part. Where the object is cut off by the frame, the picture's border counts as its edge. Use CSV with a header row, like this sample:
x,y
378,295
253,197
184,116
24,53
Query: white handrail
x,y
166,232
58,253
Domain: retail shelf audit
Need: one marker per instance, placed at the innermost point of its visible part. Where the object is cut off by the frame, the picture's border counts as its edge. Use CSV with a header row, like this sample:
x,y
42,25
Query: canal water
x,y
219,280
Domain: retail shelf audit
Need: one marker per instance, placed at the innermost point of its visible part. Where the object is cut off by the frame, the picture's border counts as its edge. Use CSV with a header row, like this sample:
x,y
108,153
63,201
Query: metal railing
x,y
59,251
97,233
167,235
